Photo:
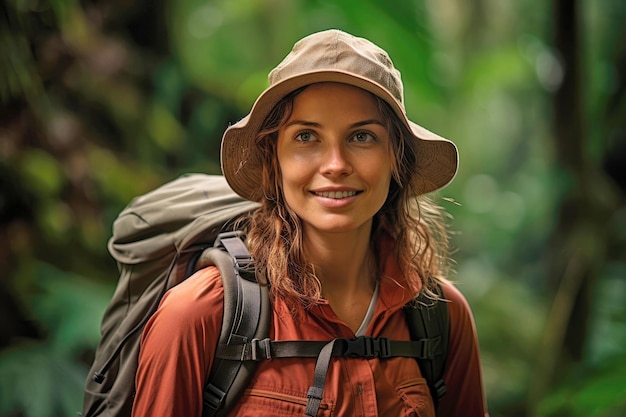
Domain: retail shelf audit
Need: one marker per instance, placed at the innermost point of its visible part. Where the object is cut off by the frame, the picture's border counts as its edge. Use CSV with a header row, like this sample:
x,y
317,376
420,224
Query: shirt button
x,y
359,389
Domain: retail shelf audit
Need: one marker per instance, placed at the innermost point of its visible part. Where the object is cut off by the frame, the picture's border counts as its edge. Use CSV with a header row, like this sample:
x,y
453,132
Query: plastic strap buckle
x,y
440,388
368,347
236,248
426,348
213,397
260,349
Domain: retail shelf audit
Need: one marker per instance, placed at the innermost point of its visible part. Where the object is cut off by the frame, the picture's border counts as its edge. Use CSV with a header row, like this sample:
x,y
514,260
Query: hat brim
x,y
437,157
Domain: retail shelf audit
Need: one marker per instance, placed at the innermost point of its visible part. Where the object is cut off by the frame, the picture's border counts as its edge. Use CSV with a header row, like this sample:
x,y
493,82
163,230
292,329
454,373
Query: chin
x,y
334,226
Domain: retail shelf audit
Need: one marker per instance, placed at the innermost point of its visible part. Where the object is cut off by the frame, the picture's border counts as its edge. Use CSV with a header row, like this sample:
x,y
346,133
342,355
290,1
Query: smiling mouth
x,y
336,194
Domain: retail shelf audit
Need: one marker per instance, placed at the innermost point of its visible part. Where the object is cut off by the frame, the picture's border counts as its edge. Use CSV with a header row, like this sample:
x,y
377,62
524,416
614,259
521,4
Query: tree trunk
x,y
579,242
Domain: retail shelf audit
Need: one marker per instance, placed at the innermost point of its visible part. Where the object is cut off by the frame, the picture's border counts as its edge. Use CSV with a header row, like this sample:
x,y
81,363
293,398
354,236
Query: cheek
x,y
379,167
383,188
292,177
295,167
293,180
379,171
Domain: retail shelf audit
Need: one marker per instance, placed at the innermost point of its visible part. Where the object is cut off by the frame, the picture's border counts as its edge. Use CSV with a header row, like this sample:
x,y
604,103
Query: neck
x,y
343,263
346,269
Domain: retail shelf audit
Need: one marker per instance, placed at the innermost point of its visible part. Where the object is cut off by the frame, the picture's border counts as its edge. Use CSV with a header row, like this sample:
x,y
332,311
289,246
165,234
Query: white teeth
x,y
336,194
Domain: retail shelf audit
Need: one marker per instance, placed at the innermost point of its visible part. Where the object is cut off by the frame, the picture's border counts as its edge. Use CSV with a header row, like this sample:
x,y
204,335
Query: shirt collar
x,y
394,289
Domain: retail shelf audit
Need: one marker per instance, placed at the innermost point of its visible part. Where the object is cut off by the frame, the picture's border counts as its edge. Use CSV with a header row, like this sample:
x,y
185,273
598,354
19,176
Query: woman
x,y
341,237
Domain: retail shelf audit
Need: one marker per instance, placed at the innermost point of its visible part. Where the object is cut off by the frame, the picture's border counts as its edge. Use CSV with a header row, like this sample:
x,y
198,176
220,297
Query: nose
x,y
335,161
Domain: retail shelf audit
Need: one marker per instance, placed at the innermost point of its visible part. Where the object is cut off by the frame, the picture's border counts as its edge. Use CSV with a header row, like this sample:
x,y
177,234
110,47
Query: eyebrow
x,y
353,125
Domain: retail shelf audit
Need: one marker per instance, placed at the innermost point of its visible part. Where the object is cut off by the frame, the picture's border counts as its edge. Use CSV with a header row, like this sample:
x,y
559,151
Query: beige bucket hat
x,y
332,56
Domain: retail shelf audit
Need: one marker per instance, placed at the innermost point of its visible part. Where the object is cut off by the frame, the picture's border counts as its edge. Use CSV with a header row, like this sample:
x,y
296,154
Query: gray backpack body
x,y
163,237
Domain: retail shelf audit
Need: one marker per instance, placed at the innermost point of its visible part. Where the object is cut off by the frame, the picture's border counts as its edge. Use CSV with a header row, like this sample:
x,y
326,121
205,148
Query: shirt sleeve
x,y
177,348
463,377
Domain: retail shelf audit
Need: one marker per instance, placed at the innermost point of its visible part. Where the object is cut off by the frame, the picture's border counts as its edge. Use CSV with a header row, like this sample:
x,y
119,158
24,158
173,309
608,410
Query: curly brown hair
x,y
416,224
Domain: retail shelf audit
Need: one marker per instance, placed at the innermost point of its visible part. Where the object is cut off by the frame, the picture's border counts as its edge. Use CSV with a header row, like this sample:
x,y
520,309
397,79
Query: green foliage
x,y
41,172
42,378
101,104
38,381
590,393
70,307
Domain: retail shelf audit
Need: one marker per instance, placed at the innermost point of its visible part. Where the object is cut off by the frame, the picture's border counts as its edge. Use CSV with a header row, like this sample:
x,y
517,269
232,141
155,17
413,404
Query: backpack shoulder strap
x,y
246,317
429,322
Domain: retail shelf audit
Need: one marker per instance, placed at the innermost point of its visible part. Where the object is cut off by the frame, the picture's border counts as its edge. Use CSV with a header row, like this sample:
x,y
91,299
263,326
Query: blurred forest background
x,y
105,100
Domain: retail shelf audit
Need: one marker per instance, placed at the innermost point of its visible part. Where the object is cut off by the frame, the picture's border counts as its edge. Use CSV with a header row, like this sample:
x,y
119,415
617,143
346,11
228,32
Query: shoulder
x,y
461,316
463,374
196,300
454,297
188,319
178,345
204,282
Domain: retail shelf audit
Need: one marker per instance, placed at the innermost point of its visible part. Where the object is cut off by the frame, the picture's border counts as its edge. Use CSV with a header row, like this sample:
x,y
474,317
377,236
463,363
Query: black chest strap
x,y
359,347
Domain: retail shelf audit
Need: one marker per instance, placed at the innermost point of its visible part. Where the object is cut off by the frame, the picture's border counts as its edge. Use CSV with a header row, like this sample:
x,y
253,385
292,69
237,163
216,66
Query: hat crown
x,y
333,56
334,50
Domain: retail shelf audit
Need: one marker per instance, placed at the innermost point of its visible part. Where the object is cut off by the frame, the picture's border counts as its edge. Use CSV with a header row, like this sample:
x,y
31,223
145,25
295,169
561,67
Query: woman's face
x,y
334,158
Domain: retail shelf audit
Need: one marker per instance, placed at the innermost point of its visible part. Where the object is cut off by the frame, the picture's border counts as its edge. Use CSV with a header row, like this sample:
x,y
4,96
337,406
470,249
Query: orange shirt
x,y
179,342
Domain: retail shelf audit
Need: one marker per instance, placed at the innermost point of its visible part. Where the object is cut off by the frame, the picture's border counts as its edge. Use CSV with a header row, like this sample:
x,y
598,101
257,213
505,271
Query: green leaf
x,y
70,307
37,381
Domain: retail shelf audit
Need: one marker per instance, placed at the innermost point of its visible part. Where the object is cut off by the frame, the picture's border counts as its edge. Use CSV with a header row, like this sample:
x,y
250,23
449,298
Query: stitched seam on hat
x,y
333,50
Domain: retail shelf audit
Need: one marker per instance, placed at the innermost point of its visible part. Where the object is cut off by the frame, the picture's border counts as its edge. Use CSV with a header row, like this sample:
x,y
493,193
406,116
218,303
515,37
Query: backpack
x,y
162,238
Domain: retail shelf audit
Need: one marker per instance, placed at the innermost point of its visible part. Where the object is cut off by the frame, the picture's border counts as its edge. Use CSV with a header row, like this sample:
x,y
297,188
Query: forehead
x,y
321,96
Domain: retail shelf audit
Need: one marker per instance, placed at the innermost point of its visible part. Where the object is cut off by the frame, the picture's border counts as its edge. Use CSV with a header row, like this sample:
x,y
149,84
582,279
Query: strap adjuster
x,y
440,388
314,396
213,397
260,349
236,248
368,347
315,393
427,348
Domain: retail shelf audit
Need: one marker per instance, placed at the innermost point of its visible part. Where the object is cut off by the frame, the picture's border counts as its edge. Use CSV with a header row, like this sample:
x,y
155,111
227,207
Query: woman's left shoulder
x,y
463,375
453,295
460,312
